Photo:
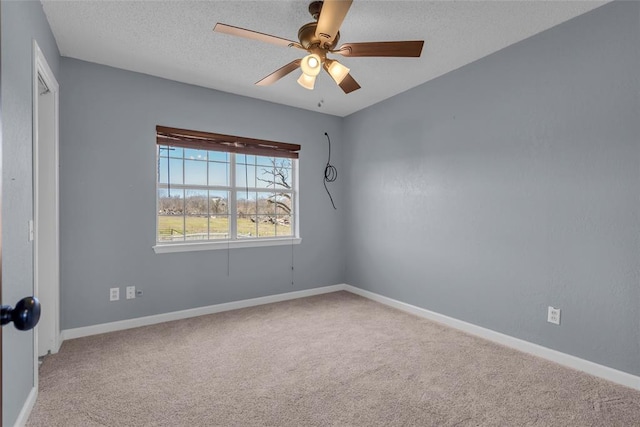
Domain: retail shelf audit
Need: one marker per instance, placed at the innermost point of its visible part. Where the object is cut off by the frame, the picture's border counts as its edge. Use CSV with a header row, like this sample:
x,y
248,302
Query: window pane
x,y
283,203
192,154
283,225
170,215
172,168
219,227
195,172
265,161
246,217
163,162
246,203
266,226
218,203
284,163
266,177
219,215
163,151
218,156
247,226
266,204
284,177
170,203
281,173
245,159
245,176
170,228
218,173
176,152
197,215
197,227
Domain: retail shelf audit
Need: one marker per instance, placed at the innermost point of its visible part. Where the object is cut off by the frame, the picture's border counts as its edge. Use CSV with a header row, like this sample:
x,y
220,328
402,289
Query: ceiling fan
x,y
320,38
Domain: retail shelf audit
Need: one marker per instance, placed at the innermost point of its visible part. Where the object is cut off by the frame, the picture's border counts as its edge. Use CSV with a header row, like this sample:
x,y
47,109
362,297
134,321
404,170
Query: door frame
x,y
1,377
41,69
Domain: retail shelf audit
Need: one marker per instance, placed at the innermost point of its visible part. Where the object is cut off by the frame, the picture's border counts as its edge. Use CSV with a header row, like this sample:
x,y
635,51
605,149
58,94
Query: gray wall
x,y
22,22
487,194
107,197
510,185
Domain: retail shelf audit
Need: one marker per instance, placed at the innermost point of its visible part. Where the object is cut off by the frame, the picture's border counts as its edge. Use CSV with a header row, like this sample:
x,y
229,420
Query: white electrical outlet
x,y
553,315
114,294
131,292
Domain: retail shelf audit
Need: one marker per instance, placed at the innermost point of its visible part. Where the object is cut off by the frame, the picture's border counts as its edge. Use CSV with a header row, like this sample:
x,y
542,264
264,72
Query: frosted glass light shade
x,y
337,71
307,82
311,65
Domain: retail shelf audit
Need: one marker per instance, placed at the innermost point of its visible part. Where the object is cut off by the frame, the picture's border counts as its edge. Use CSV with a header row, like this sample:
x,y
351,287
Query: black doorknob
x,y
25,316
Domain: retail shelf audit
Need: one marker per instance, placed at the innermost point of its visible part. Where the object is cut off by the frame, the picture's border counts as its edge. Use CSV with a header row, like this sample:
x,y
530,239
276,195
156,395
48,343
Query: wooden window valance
x,y
218,142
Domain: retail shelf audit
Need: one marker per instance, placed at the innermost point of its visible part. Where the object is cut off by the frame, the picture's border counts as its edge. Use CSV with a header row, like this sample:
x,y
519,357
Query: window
x,y
216,190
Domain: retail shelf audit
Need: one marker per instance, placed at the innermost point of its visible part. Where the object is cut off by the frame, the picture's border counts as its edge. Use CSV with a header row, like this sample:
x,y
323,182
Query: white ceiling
x,y
174,40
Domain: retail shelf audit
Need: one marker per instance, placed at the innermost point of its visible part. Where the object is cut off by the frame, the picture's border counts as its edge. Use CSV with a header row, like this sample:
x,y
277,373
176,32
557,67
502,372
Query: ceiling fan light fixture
x,y
318,39
311,65
307,82
336,70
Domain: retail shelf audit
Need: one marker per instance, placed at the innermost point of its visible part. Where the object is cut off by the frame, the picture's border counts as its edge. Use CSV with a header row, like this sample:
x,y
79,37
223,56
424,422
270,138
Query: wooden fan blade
x,y
330,20
241,32
349,84
280,73
407,49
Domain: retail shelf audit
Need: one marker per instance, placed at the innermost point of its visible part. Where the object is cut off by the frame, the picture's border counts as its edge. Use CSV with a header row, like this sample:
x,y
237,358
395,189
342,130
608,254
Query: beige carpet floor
x,y
329,360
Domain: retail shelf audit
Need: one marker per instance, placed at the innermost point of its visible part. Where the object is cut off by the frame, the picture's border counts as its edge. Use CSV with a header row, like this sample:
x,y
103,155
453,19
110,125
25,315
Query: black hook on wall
x,y
330,172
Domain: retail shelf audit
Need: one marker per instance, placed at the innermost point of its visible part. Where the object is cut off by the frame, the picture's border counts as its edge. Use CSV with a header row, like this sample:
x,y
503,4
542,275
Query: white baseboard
x,y
68,334
564,359
23,416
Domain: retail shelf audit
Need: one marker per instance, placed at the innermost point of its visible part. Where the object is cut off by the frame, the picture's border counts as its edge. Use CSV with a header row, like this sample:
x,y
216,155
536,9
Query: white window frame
x,y
233,242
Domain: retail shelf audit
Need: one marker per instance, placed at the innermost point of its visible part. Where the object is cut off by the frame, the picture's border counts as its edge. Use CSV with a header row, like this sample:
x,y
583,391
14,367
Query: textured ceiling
x,y
174,40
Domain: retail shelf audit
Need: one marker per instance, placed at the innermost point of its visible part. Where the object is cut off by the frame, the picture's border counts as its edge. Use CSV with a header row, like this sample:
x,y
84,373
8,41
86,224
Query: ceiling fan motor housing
x,y
308,39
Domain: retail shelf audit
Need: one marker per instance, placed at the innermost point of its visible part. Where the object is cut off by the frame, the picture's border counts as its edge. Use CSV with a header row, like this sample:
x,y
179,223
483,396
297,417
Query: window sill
x,y
208,246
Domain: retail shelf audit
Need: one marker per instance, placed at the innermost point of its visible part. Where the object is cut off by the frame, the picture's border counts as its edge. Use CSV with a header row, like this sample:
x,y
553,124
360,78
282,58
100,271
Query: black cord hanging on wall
x,y
330,172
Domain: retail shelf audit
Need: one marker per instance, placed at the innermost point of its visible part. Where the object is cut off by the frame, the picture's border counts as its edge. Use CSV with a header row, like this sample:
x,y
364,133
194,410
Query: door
x,y
45,202
26,313
1,381
45,259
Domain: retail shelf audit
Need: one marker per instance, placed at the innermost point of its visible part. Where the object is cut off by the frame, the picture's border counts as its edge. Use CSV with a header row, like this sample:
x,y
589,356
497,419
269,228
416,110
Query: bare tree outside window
x,y
279,177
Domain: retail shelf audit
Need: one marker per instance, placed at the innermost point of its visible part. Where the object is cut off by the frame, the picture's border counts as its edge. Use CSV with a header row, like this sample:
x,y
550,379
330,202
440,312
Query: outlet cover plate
x,y
131,292
114,294
553,315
